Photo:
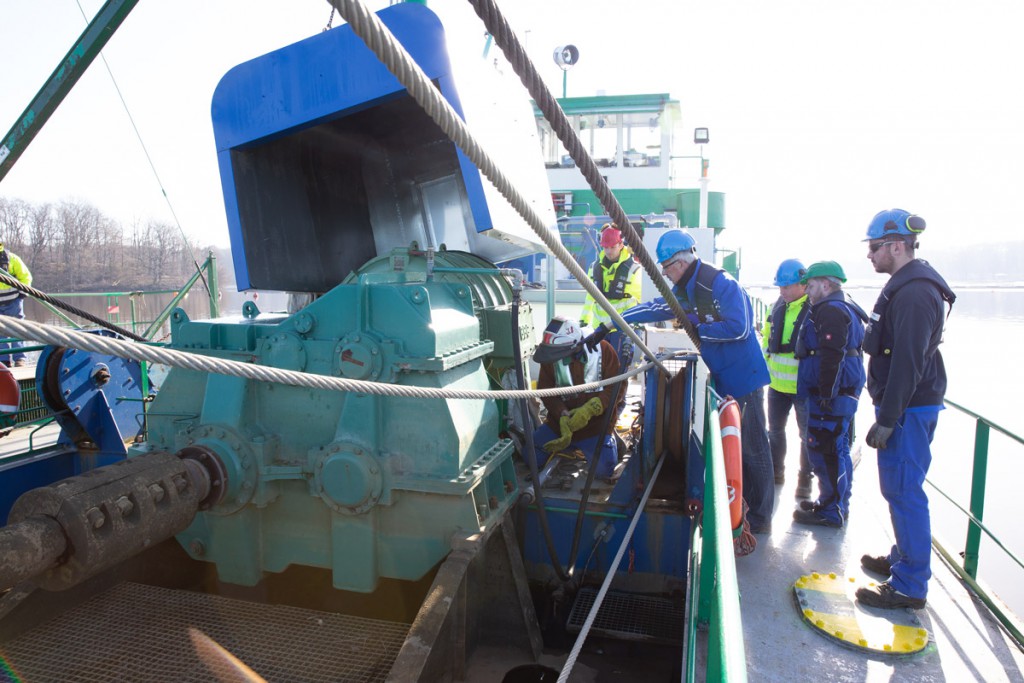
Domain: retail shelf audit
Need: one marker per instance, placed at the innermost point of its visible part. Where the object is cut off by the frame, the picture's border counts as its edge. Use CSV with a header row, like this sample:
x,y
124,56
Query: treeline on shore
x,y
71,246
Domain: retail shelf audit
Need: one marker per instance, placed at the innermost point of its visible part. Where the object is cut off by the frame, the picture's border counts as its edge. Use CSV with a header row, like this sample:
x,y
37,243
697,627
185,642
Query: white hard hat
x,y
560,339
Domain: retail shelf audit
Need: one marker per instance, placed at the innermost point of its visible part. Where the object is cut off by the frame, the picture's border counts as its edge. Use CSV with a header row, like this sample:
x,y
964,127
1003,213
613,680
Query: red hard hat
x,y
610,235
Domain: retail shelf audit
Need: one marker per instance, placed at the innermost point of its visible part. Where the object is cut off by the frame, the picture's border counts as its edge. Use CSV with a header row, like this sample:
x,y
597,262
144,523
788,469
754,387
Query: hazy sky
x,y
821,113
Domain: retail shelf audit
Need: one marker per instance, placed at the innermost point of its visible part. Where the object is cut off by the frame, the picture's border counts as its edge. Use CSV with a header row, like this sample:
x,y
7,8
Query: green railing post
x,y
709,559
726,657
978,479
212,284
135,320
706,589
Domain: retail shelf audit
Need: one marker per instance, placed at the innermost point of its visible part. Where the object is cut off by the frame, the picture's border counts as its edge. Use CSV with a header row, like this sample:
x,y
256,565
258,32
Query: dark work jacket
x,y
903,338
829,349
556,404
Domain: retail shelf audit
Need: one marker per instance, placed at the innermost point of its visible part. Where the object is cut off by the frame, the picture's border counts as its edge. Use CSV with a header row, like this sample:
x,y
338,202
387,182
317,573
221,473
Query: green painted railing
x,y
968,569
112,302
32,410
716,606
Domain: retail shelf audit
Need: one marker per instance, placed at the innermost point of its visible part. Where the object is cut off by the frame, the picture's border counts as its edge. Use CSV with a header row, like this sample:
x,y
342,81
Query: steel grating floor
x,y
140,633
629,617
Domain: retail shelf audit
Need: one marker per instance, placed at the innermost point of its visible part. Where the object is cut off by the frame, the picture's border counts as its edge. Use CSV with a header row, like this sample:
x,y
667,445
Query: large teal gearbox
x,y
337,184
365,485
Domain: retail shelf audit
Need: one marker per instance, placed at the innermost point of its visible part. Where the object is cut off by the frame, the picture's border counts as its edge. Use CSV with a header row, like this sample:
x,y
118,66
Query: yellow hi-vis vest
x,y
620,283
779,353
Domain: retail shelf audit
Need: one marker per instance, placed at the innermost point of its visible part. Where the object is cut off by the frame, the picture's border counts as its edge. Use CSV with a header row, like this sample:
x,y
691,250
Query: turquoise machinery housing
x,y
336,183
339,188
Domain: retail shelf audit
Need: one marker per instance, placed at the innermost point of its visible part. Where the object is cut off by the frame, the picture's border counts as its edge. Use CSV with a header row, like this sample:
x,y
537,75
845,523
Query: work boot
x,y
803,487
877,564
885,596
814,518
809,505
20,363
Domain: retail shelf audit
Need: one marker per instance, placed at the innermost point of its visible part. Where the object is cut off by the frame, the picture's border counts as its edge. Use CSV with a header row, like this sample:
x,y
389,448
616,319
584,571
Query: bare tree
x,y
40,236
14,217
74,247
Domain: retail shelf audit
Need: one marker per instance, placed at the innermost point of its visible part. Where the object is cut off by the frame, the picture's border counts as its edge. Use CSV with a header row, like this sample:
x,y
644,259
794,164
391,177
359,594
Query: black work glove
x,y
878,436
593,340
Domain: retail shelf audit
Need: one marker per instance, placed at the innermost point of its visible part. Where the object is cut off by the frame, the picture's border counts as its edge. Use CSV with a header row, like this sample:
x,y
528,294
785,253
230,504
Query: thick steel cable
x,y
47,334
506,39
570,661
14,282
390,52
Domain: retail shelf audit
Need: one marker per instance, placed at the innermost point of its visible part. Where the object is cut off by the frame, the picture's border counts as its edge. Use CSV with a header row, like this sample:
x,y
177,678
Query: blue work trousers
x,y
902,466
14,309
758,473
779,406
606,461
828,449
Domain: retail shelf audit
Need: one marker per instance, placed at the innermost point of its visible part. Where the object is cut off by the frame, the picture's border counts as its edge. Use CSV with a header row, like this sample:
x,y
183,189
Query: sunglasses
x,y
876,247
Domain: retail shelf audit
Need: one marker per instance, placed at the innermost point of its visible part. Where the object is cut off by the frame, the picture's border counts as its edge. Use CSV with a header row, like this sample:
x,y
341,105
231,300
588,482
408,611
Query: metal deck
x,y
629,616
968,644
142,633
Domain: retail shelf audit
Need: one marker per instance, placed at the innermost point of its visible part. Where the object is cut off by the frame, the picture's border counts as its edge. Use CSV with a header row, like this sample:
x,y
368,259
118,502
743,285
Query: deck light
x,y
700,136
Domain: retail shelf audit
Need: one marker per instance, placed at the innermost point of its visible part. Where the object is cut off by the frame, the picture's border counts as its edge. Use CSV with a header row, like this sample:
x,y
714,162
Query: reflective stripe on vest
x,y
783,368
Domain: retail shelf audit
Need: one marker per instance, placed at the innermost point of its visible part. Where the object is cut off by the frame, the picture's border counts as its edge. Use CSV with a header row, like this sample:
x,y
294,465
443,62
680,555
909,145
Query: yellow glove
x,y
579,417
562,442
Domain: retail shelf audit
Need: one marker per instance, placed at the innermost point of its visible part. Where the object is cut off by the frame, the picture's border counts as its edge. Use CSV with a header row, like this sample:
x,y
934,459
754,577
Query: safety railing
x,y
134,318
32,410
716,606
968,569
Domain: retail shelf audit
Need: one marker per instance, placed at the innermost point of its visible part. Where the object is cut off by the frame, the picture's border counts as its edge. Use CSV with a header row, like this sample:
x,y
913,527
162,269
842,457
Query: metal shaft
x,y
29,548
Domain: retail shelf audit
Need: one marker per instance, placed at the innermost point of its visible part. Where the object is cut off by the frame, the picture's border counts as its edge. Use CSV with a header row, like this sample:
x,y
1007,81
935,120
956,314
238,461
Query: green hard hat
x,y
824,269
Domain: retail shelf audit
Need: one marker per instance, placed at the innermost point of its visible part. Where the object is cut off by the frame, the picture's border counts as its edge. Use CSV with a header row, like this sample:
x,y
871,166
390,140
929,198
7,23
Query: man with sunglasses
x,y
721,313
907,383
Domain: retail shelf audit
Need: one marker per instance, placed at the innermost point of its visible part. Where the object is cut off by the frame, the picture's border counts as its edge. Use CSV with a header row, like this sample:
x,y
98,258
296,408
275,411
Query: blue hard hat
x,y
894,222
673,242
790,272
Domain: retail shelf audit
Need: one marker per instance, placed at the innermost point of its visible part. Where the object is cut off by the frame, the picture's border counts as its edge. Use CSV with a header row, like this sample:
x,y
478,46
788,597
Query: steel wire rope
x,y
390,52
152,166
570,661
48,334
14,282
506,39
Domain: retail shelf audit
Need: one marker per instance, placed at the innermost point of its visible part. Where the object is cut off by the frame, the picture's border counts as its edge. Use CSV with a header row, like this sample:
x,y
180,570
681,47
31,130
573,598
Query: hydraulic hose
x,y
529,455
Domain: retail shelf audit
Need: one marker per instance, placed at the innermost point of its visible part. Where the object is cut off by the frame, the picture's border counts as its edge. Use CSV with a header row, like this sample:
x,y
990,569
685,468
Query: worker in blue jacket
x,y
907,384
721,313
830,378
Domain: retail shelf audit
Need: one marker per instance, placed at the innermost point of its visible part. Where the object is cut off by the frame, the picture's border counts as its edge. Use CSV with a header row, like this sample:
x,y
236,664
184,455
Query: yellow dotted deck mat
x,y
827,603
